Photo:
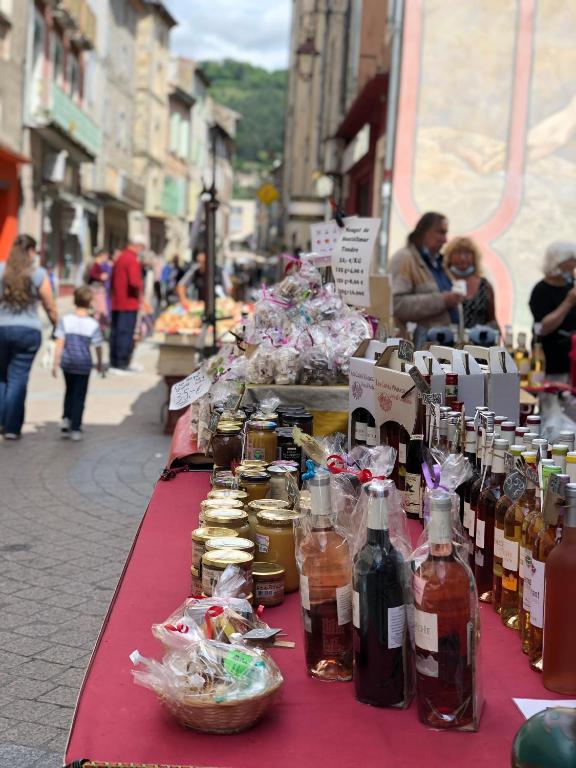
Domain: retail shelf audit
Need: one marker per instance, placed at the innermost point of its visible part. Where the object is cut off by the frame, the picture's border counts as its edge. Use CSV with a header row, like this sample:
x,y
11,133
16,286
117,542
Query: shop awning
x,y
365,106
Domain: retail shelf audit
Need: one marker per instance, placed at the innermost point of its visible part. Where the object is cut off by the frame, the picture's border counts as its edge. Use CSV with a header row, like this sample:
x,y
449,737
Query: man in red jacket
x,y
126,291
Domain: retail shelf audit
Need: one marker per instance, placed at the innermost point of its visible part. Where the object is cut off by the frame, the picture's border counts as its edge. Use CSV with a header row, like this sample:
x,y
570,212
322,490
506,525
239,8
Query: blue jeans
x,y
122,338
76,389
18,347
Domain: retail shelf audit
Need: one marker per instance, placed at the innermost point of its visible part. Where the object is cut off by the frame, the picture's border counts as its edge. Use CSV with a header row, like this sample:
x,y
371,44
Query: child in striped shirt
x,y
75,334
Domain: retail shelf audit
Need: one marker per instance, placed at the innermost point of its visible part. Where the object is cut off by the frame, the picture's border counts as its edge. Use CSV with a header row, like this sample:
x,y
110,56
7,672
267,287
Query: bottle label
x,y
522,560
479,558
527,589
402,453
360,431
480,526
466,515
304,593
396,626
356,609
498,542
537,587
510,557
510,581
262,542
344,604
371,436
412,494
472,523
426,630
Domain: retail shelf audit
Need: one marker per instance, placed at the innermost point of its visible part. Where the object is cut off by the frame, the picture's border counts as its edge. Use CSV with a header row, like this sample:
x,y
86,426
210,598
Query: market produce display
x,y
178,319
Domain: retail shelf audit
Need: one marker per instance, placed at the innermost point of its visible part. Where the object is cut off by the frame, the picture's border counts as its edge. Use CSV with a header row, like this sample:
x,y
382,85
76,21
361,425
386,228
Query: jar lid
x,y
254,476
229,542
281,517
295,418
266,426
223,557
267,569
210,532
222,504
280,470
224,516
229,428
261,505
228,493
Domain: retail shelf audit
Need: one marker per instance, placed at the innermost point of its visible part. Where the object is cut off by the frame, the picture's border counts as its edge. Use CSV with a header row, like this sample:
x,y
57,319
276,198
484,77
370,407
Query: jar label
x,y
426,630
480,527
356,609
396,626
209,578
344,604
537,600
198,549
499,543
304,593
262,542
510,557
256,454
268,589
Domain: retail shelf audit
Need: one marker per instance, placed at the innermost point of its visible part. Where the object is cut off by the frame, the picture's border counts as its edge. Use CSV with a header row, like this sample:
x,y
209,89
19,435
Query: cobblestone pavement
x,y
68,514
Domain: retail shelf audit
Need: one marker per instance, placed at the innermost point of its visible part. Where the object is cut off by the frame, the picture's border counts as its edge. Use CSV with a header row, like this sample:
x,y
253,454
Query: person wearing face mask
x,y
462,258
553,305
421,287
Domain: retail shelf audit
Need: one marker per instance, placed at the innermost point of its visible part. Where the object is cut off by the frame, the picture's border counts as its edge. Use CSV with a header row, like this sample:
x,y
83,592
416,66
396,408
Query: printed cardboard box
x,y
361,397
470,376
502,382
429,366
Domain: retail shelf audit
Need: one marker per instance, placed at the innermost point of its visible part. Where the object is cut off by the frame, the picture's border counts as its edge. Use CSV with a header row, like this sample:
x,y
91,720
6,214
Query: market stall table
x,y
314,723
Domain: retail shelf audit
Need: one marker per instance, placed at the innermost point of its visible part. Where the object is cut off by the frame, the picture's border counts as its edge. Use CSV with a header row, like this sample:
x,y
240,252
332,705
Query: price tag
x,y
514,486
189,390
421,384
557,486
432,398
406,351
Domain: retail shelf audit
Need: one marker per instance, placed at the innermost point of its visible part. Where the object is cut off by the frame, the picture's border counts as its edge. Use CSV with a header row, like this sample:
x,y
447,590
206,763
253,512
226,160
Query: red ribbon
x,y
212,613
336,465
183,628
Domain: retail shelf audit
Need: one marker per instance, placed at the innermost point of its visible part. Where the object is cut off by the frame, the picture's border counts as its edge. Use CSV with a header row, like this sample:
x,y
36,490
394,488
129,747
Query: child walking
x,y
75,334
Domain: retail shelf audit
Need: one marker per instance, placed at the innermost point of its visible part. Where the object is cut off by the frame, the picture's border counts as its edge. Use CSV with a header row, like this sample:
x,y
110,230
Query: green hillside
x,y
259,96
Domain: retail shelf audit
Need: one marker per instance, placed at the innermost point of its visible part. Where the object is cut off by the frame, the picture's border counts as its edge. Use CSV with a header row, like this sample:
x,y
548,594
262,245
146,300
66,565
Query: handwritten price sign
x,y
514,486
189,390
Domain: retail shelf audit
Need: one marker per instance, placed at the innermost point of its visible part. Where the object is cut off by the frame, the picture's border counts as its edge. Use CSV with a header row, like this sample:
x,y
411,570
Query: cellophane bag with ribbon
x,y
446,627
382,598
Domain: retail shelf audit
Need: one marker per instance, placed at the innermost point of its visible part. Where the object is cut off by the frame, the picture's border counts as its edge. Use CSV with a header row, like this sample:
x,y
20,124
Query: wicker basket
x,y
225,717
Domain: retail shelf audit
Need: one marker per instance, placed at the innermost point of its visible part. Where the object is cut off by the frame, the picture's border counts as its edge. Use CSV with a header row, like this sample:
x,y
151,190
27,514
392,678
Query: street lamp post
x,y
210,199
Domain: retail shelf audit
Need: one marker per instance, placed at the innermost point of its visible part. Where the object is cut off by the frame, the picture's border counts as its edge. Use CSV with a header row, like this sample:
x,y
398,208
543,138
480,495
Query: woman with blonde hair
x,y
22,287
462,259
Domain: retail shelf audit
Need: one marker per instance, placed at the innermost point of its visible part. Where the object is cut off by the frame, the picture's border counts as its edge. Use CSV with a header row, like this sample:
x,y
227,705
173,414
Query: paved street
x,y
68,514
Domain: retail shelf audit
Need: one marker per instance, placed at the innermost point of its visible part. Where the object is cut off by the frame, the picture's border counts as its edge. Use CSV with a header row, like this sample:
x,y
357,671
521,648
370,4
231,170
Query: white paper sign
x,y
323,238
352,258
530,707
189,390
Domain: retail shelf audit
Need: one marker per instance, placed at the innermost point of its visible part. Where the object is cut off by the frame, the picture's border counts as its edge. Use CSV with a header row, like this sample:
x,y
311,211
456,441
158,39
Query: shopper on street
x,y
126,292
421,287
193,284
463,262
75,334
23,285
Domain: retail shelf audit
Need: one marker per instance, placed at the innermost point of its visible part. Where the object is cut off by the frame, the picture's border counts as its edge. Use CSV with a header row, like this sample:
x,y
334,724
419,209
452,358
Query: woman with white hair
x,y
553,305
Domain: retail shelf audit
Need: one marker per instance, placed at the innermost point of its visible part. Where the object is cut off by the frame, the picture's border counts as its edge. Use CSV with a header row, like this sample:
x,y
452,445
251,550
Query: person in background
x,y
171,275
22,287
74,336
126,297
99,279
421,288
553,304
193,284
463,262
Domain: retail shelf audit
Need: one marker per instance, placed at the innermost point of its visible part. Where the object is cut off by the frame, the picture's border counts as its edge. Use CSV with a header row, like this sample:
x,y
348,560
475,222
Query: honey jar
x,y
280,475
223,480
229,493
215,562
227,445
230,542
268,584
218,504
261,505
256,483
261,441
231,519
275,543
199,538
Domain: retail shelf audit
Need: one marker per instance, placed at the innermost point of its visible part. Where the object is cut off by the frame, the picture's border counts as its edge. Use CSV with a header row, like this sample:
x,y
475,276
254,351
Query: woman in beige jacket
x,y
421,288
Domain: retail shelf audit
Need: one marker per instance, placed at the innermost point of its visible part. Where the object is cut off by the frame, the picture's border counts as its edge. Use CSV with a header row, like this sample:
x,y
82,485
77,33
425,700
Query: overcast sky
x,y
257,31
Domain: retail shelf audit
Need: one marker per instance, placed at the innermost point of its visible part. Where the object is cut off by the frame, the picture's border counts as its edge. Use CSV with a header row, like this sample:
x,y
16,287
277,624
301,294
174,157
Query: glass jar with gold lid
x,y
230,542
275,543
216,561
202,535
228,493
233,519
261,441
227,445
262,505
223,480
256,483
268,581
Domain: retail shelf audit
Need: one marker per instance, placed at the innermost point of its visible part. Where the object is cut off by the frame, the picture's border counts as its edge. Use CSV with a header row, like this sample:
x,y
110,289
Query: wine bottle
x,y
326,590
381,658
503,505
559,453
510,601
444,627
451,389
464,490
509,339
534,423
537,373
522,359
359,426
559,658
571,465
484,544
567,437
413,480
551,533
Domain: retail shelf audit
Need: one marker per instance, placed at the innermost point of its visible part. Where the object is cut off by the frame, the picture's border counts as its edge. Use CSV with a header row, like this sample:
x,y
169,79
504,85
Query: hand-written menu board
x,y
189,390
352,258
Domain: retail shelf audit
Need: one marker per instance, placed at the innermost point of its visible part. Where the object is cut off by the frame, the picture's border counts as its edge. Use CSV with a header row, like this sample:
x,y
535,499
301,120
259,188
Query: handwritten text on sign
x,y
189,390
352,258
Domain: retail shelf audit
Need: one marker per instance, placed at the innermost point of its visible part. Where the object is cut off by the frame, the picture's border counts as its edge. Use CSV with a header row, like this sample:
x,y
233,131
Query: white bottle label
x,y
498,542
402,453
371,436
480,526
537,587
466,516
412,494
356,609
426,630
262,542
522,563
304,593
396,626
479,558
360,431
527,590
344,604
472,523
510,557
